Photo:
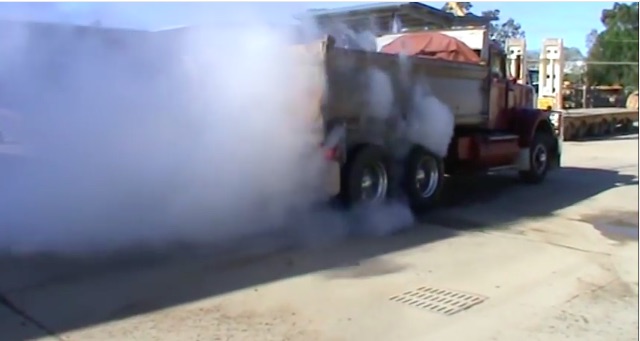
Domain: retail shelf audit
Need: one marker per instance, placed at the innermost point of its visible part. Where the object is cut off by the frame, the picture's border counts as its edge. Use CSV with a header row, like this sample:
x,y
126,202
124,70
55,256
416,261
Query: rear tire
x,y
366,177
539,154
423,179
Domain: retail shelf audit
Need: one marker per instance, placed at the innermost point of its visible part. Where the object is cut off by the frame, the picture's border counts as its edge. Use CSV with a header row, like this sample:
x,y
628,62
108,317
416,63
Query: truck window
x,y
497,65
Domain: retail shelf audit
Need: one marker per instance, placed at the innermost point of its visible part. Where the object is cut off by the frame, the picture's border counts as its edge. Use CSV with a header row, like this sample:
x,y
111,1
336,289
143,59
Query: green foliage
x,y
573,78
498,32
618,42
572,54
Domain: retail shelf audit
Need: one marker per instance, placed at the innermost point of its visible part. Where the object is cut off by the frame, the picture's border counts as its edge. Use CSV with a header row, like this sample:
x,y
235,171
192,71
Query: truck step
x,y
501,137
500,169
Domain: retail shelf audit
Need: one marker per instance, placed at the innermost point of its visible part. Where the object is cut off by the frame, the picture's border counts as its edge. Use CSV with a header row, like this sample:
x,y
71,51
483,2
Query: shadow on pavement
x,y
64,295
511,201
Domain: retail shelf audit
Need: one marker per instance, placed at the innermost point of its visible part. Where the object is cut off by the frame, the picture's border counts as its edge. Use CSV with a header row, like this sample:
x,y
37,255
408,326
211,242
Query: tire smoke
x,y
194,137
188,136
141,139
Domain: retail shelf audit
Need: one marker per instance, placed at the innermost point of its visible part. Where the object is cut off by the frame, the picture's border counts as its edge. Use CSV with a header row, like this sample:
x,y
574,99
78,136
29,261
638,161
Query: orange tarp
x,y
432,45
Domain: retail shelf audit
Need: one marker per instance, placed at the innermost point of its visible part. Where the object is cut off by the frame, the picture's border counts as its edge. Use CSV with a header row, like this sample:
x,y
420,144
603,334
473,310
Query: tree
x,y
592,37
618,42
499,32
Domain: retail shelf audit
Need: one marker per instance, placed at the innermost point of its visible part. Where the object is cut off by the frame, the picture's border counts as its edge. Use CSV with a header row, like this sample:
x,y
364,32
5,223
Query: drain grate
x,y
440,301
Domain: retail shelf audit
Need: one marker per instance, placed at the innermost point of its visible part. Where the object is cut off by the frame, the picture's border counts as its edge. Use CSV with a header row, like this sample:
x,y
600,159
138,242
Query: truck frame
x,y
496,124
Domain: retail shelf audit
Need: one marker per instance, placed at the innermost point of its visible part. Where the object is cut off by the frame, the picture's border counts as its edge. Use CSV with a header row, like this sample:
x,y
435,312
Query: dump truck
x,y
496,126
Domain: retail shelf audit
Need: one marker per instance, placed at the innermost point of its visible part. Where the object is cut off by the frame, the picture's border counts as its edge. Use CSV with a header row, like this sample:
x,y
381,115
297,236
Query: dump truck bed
x,y
365,83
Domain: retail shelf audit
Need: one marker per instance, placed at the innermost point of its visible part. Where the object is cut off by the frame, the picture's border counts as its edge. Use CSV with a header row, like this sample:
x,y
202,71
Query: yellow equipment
x,y
456,9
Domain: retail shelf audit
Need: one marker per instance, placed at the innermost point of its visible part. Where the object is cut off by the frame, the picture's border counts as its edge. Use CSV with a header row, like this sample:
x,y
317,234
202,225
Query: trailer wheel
x,y
570,132
611,126
366,177
595,129
423,179
627,126
538,159
582,131
603,128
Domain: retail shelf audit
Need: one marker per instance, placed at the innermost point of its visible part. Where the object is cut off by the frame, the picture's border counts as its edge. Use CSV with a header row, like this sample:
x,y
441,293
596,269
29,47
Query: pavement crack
x,y
5,301
595,289
576,248
546,242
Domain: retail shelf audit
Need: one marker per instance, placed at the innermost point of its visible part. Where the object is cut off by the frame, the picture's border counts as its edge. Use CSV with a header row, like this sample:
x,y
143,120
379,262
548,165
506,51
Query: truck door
x,y
499,92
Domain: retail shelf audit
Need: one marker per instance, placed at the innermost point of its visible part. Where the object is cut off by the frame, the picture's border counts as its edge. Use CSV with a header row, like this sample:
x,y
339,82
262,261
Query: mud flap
x,y
332,179
524,160
555,161
557,156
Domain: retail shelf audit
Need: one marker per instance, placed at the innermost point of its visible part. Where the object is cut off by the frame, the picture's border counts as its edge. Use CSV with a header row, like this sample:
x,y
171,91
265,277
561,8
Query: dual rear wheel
x,y
369,177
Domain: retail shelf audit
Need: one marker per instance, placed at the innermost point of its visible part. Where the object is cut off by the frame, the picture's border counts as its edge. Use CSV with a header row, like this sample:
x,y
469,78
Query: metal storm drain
x,y
440,301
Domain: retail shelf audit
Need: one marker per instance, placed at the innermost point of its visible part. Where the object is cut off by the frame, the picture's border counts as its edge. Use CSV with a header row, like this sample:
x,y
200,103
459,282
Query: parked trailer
x,y
496,125
597,122
576,123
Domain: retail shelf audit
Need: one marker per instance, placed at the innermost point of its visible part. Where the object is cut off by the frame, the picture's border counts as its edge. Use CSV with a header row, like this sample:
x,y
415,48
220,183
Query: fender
x,y
526,122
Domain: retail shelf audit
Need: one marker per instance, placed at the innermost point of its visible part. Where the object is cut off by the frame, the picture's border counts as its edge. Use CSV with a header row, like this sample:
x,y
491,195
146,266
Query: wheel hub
x,y
540,159
426,179
374,183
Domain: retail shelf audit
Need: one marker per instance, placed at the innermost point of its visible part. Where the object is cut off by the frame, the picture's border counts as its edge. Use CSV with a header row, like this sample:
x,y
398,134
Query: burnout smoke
x,y
190,136
185,136
430,122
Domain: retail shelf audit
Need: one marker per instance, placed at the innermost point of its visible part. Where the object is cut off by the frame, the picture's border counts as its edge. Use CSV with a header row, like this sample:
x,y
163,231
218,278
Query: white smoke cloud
x,y
431,122
141,145
199,137
130,149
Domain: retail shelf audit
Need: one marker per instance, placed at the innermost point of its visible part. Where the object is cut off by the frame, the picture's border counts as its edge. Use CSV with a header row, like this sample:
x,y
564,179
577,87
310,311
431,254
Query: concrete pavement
x,y
552,262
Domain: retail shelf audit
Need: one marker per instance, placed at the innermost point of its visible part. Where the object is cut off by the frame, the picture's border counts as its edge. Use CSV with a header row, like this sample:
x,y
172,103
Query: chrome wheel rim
x,y
374,183
539,159
427,179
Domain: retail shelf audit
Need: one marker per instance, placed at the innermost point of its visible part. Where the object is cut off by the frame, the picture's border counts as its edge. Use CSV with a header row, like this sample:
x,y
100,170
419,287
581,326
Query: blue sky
x,y
571,21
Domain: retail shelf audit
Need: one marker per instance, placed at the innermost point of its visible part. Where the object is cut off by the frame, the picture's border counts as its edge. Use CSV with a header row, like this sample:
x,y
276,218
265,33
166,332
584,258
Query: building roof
x,y
385,15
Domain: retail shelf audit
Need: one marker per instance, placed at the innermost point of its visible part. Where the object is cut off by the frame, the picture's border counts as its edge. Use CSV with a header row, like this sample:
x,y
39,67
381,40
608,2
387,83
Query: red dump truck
x,y
495,124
